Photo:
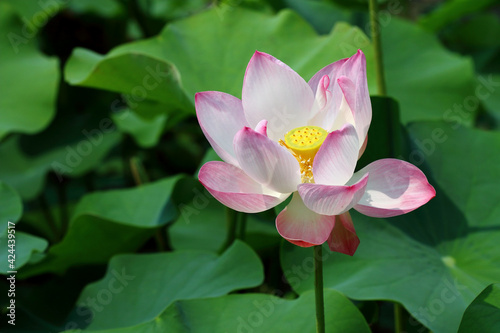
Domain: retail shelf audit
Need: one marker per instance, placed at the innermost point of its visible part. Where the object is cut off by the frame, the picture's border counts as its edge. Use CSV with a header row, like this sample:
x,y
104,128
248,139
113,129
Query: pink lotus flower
x,y
289,137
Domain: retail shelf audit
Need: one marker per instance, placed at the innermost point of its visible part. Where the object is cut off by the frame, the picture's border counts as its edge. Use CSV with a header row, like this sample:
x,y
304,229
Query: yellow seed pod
x,y
305,141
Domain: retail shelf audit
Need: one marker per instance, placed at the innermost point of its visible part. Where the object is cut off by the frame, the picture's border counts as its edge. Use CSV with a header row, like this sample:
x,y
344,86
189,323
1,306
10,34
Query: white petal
x,y
233,188
301,226
395,187
220,116
273,91
266,161
336,160
332,199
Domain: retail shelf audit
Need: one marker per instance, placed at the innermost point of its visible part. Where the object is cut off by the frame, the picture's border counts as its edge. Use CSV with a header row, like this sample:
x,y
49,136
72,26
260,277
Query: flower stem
x,y
382,91
318,288
140,18
377,45
242,226
138,172
140,178
232,218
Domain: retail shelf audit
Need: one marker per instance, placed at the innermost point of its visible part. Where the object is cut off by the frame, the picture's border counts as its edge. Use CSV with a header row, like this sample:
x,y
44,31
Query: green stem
x,y
382,91
140,18
377,46
141,177
318,288
138,172
232,217
398,318
242,226
161,239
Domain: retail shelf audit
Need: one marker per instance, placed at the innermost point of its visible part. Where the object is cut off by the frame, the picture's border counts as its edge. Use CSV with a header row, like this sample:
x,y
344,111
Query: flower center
x,y
304,142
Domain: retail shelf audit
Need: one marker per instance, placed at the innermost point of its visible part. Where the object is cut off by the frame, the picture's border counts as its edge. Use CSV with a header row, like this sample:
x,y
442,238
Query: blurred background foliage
x,y
100,147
